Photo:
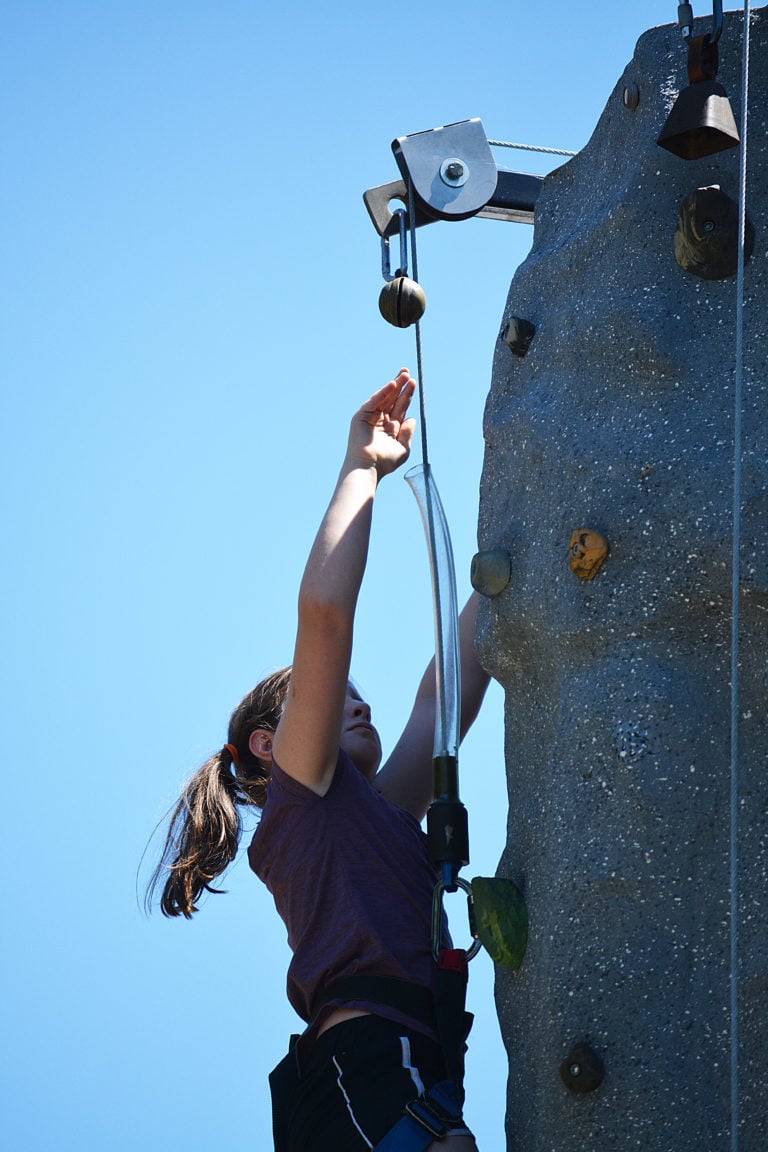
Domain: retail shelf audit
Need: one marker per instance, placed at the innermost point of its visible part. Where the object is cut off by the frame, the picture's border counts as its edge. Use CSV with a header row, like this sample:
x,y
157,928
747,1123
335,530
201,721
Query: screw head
x,y
454,172
582,1070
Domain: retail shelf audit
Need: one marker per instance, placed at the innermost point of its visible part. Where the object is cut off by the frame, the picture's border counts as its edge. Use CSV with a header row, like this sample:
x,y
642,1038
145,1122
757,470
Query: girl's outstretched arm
x,y
407,778
306,742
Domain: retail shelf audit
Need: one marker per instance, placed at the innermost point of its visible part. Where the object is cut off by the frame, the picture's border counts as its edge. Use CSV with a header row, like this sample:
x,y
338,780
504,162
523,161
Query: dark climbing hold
x,y
517,334
582,1070
402,302
490,571
707,236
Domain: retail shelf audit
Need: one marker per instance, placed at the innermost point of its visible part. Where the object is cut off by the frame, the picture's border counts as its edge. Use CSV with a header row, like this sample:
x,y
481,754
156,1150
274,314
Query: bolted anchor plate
x,y
452,169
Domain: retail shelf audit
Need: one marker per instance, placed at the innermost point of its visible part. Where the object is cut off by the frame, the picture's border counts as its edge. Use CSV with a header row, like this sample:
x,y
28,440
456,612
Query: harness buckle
x,y
422,1114
438,1111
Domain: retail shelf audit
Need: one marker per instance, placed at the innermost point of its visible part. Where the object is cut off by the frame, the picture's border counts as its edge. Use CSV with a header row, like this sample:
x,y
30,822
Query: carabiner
x,y
386,271
437,918
685,20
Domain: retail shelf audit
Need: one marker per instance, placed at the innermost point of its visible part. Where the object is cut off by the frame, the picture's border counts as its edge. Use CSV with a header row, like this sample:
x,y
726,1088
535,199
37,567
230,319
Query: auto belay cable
x,y
447,824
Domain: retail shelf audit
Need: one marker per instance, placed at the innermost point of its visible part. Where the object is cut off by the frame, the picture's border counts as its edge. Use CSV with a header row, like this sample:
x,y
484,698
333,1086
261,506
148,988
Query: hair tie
x,y
232,751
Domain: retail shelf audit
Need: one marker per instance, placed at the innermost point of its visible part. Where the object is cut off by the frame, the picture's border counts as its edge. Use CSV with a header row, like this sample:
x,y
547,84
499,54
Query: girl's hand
x,y
379,435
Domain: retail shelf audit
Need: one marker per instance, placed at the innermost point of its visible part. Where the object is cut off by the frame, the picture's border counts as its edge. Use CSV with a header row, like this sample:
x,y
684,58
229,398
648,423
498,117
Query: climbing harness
x,y
439,1110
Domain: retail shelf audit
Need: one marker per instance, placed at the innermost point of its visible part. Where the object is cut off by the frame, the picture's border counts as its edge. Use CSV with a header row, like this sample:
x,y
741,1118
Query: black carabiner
x,y
685,20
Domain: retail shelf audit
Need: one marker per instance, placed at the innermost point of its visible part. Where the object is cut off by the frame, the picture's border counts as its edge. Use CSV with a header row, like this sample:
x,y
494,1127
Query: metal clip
x,y
386,271
685,20
437,917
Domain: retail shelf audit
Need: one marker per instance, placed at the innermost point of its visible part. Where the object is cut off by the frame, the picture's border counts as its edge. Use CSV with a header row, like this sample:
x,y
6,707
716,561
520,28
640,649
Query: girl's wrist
x,y
368,468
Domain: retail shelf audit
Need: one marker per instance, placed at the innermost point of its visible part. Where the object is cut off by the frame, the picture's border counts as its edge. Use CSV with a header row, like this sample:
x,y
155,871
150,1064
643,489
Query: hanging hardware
x,y
402,302
437,917
402,227
701,122
685,20
454,177
451,169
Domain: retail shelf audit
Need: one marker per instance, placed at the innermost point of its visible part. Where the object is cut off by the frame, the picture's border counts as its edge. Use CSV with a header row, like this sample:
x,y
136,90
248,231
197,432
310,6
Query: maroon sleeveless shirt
x,y
352,881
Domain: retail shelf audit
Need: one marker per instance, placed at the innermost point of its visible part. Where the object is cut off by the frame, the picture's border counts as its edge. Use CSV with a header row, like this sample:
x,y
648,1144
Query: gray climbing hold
x,y
490,571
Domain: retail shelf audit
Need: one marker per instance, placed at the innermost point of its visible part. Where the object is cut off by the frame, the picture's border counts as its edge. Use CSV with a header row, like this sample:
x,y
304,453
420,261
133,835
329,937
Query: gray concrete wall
x,y
620,419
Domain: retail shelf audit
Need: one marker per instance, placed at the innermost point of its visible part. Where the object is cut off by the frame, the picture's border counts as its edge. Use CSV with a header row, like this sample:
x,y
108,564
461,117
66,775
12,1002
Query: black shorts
x,y
357,1082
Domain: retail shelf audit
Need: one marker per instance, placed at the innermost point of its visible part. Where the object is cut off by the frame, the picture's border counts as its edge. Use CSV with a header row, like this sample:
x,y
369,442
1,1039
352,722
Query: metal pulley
x,y
453,176
451,169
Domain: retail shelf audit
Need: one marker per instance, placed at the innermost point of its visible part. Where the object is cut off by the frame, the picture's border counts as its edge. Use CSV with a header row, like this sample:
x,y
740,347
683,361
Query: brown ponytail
x,y
205,826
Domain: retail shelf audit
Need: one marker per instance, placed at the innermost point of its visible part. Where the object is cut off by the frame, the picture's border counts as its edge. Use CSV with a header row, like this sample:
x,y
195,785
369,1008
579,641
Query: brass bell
x,y
701,121
402,302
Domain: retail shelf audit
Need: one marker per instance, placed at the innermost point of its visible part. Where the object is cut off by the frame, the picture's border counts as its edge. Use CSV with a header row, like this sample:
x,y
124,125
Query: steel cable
x,y
735,593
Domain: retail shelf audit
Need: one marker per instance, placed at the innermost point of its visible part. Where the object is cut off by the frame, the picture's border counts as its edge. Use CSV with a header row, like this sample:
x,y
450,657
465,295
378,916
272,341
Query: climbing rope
x,y
735,567
417,326
531,148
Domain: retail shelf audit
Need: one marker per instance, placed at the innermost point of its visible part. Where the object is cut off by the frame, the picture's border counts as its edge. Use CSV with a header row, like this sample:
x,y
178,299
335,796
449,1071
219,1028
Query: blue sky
x,y
189,316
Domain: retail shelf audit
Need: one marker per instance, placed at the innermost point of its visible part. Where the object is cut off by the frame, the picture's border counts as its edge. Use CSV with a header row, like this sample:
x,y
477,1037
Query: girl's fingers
x,y
387,398
383,399
407,429
400,407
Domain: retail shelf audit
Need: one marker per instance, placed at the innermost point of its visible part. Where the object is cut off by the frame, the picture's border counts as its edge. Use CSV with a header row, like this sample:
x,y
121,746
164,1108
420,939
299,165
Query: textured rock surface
x,y
620,419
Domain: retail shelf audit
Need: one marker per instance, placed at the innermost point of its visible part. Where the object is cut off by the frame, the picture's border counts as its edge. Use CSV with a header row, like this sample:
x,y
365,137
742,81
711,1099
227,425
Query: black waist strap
x,y
412,1000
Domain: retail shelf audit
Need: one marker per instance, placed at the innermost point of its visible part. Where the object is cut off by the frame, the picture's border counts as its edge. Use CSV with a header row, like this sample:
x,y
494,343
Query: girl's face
x,y
359,738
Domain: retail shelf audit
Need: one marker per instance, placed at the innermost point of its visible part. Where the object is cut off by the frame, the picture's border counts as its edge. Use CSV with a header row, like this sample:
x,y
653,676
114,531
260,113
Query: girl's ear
x,y
260,745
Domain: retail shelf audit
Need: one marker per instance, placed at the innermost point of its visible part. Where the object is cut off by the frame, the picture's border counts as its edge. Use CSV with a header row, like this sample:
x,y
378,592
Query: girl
x,y
339,843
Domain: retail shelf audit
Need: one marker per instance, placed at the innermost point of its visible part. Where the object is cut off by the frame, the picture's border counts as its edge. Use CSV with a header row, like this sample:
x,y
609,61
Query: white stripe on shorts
x,y
348,1102
405,1044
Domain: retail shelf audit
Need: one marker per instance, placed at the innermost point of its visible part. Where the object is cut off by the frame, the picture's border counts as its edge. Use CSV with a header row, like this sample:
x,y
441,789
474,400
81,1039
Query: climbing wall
x,y
619,421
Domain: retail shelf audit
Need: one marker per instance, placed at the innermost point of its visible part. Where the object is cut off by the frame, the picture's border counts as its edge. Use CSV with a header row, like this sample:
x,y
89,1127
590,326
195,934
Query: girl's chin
x,y
366,760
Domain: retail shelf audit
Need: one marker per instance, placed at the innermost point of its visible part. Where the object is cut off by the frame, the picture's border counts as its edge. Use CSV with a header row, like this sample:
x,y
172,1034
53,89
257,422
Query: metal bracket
x,y
454,177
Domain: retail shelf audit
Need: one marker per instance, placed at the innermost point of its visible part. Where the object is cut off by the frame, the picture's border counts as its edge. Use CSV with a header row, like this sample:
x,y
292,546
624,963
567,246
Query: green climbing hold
x,y
501,919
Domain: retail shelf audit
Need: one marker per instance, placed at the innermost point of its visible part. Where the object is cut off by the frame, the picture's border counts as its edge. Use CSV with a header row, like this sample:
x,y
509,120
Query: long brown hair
x,y
205,825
